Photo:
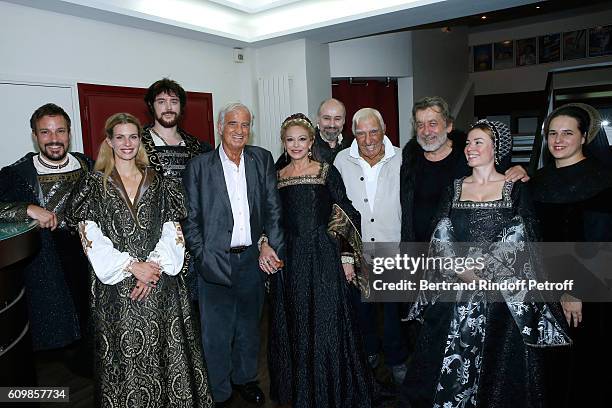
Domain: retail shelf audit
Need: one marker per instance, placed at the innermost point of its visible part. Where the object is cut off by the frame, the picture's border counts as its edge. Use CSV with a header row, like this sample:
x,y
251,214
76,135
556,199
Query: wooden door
x,y
377,94
19,100
98,102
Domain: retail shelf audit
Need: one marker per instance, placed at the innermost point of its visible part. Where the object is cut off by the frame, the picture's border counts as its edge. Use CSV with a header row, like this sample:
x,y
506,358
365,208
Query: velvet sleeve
x,y
80,203
10,209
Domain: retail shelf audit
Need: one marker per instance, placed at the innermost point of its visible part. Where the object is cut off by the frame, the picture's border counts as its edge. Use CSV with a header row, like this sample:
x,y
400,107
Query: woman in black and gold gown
x,y
316,355
146,345
481,348
573,200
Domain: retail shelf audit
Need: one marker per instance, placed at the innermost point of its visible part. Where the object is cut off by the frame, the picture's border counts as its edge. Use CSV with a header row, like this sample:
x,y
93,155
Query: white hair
x,y
366,113
231,107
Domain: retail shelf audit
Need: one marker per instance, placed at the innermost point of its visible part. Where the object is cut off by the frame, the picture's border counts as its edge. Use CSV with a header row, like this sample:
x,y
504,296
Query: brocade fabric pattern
x,y
172,160
56,189
53,277
148,353
316,357
482,350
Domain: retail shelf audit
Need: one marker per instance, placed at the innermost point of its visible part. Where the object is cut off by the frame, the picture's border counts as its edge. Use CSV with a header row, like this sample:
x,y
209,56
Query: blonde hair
x,y
297,119
105,162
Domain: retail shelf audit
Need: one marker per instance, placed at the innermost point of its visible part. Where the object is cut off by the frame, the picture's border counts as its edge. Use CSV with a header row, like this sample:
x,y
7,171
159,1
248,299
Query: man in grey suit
x,y
232,201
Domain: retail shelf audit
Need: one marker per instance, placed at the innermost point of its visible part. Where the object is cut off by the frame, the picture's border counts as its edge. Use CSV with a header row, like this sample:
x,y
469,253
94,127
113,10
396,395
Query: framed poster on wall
x,y
503,54
574,45
526,52
483,57
599,41
549,48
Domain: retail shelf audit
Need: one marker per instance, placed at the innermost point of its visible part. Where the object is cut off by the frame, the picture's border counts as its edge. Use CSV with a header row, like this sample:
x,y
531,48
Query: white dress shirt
x,y
371,173
235,181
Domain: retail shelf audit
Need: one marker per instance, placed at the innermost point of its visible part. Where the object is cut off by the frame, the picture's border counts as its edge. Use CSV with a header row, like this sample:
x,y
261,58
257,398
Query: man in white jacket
x,y
370,169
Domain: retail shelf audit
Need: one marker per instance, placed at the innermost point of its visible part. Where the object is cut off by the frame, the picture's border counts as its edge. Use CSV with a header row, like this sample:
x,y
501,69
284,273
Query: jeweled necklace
x,y
53,166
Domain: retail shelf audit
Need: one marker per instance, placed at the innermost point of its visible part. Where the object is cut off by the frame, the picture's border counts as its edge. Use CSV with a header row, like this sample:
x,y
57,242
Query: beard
x,y
52,156
434,145
330,134
168,123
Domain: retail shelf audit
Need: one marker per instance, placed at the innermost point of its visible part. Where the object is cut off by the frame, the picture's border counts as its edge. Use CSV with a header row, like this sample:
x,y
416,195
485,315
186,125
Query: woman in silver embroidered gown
x,y
147,348
477,348
316,357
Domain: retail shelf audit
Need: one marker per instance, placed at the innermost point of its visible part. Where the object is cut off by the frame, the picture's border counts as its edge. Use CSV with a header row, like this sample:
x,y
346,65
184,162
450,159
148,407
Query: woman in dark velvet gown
x,y
316,356
477,348
573,199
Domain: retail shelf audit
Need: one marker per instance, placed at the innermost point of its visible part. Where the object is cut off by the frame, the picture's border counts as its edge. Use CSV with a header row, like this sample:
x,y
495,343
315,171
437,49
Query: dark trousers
x,y
230,319
393,344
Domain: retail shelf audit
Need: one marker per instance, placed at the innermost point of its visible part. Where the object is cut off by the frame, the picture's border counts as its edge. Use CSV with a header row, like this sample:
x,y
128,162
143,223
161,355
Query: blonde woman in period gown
x,y
316,353
146,341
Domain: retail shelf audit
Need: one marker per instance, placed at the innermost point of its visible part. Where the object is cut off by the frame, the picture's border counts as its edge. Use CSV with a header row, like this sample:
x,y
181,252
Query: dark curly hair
x,y
168,86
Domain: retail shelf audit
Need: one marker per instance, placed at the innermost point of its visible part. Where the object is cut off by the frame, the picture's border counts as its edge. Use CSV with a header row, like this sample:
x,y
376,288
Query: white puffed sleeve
x,y
109,264
169,253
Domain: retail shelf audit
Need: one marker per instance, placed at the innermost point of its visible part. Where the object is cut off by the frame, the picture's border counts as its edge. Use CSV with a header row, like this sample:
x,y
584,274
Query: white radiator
x,y
274,94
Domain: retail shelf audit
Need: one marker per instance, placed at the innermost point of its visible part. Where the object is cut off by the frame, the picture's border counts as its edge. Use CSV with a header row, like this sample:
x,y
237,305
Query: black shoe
x,y
250,392
384,394
224,404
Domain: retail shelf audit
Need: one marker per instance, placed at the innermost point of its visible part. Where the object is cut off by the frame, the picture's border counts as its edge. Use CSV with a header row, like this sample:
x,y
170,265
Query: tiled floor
x,y
52,370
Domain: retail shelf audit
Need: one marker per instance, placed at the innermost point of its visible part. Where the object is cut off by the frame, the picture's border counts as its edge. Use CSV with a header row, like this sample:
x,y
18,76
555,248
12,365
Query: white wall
x,y
376,56
18,101
532,77
440,66
318,75
286,58
275,61
440,63
306,63
44,46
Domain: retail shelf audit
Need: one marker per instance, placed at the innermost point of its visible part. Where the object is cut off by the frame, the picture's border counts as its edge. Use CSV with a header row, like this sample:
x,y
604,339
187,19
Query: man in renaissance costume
x,y
36,188
169,147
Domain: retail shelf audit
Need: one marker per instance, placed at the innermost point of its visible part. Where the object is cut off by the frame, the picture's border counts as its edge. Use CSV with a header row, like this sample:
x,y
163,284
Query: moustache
x,y
54,144
169,113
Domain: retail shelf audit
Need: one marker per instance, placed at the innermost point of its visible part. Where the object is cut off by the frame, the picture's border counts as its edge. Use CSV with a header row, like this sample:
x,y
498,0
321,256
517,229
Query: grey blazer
x,y
209,223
